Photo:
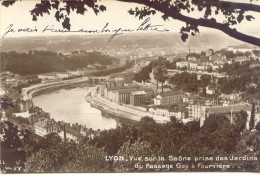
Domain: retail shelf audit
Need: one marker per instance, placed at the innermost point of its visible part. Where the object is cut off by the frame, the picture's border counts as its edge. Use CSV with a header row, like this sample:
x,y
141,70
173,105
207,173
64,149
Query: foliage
x,y
241,121
221,135
45,61
143,75
252,118
132,151
128,65
234,13
6,103
67,157
113,139
241,75
236,68
49,140
145,139
159,67
189,82
257,127
12,155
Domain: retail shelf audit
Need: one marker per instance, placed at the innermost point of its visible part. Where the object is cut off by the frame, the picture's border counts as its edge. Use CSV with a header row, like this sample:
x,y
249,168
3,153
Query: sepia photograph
x,y
129,86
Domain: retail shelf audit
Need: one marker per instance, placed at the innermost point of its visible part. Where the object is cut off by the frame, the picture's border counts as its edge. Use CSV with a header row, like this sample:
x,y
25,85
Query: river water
x,y
70,106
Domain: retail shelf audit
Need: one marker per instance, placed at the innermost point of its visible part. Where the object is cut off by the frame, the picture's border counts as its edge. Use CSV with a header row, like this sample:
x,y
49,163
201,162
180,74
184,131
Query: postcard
x,y
123,86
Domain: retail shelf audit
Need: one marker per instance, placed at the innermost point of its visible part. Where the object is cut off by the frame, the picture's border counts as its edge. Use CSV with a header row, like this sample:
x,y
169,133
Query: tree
x,y
67,157
257,126
218,134
12,155
131,151
160,73
233,12
252,118
241,121
49,140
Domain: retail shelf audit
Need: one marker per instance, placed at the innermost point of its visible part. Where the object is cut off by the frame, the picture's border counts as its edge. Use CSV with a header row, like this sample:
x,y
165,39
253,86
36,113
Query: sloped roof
x,y
227,109
46,123
73,132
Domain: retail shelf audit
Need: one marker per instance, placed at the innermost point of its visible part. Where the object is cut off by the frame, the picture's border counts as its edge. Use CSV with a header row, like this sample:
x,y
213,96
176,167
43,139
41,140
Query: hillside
x,y
36,62
126,41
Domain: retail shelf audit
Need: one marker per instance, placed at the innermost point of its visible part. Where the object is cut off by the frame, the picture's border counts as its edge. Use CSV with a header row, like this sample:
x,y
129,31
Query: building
x,y
22,114
164,111
63,75
196,111
193,66
168,98
70,134
182,64
228,110
101,89
45,126
75,73
37,116
110,95
3,117
123,96
202,67
118,78
45,77
210,90
160,90
110,84
239,48
149,93
242,59
119,95
215,67
138,98
192,58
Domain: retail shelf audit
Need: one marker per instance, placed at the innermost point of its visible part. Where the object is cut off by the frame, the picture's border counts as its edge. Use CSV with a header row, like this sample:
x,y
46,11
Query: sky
x,y
116,15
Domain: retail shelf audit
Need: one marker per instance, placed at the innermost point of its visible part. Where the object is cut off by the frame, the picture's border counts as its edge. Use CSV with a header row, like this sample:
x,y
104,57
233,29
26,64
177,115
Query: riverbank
x,y
29,91
117,116
64,86
69,105
120,110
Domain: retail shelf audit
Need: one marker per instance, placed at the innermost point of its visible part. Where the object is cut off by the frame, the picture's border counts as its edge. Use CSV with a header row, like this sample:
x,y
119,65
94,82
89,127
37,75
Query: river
x,y
70,106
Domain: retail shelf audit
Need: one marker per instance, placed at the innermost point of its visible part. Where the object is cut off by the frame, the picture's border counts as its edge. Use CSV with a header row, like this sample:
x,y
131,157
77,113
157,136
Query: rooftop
x,y
173,108
163,94
45,123
227,109
73,132
122,88
138,93
124,91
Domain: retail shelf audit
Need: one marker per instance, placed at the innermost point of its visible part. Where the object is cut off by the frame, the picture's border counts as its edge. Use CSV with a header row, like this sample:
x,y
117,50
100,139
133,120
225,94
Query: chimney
x,y
64,130
162,86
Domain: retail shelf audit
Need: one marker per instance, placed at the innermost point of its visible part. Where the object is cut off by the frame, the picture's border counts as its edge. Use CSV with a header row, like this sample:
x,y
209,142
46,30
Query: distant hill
x,y
98,42
38,62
